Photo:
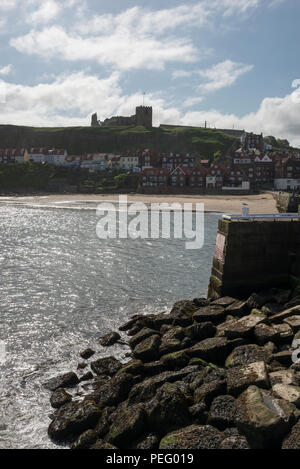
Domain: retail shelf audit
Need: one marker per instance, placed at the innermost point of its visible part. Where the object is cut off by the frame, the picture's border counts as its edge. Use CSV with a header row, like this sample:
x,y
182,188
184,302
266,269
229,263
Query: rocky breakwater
x,y
208,375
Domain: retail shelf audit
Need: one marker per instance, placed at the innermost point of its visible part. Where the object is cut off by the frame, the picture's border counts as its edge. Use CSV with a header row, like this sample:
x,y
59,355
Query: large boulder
x,y
106,366
87,353
293,322
279,317
140,336
222,413
193,437
169,409
184,308
146,390
241,377
200,331
209,390
171,340
66,380
148,349
175,360
224,301
112,391
264,334
288,392
109,339
128,423
86,440
292,441
246,354
212,350
59,398
284,377
211,313
263,418
133,367
242,327
237,309
285,334
72,419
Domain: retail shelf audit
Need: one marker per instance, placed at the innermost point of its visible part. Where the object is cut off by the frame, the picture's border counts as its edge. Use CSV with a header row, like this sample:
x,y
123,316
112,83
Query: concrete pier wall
x,y
252,255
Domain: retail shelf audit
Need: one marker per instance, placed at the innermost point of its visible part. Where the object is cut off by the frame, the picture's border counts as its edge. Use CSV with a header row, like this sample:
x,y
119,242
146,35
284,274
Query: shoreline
x,y
194,380
257,204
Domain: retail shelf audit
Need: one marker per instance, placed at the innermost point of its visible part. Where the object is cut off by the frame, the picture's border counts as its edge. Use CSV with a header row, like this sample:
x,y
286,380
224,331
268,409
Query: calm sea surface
x,y
61,288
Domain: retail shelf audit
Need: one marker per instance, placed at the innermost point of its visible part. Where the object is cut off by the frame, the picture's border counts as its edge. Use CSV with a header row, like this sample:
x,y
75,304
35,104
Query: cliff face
x,y
78,140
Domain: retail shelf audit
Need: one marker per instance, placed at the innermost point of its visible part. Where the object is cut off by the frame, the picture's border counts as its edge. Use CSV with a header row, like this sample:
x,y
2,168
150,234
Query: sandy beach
x,y
258,203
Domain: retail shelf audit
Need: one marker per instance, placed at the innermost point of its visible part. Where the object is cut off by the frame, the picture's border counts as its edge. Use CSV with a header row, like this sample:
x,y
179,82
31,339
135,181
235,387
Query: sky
x,y
232,63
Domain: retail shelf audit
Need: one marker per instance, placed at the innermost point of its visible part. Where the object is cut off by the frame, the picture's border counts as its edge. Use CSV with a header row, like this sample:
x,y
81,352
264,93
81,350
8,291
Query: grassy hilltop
x,y
78,140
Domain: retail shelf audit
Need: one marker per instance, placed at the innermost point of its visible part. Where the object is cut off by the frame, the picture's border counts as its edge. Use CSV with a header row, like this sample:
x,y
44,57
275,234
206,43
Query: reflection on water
x,y
61,288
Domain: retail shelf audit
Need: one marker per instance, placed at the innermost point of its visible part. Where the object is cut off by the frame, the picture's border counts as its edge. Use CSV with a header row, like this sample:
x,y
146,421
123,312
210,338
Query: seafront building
x,y
250,165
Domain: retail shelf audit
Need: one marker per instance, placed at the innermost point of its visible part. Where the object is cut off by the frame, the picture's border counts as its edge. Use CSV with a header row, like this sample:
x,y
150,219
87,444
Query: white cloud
x,y
135,38
223,74
122,50
46,11
192,101
6,70
7,4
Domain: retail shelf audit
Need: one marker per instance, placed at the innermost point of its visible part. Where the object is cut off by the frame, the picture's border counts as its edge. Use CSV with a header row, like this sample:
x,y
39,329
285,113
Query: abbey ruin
x,y
142,116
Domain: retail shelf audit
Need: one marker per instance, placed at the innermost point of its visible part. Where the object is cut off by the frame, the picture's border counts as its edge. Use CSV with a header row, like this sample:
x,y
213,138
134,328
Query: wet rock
x,y
133,367
175,360
140,336
151,441
81,366
246,354
235,442
284,377
87,353
102,427
66,380
200,302
212,313
128,424
113,391
100,444
154,368
293,322
148,349
222,413
224,301
169,409
264,333
185,308
106,366
257,301
212,350
59,398
208,391
129,324
72,419
285,333
193,437
278,318
237,309
86,440
86,377
146,390
241,377
242,327
199,413
171,340
284,357
288,392
200,331
292,441
109,339
263,419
